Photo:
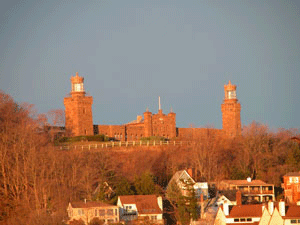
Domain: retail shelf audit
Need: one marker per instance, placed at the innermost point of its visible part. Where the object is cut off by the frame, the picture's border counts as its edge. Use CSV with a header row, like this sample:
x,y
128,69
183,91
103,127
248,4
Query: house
x,y
285,214
133,207
291,186
239,214
105,190
182,178
228,196
258,214
253,190
87,211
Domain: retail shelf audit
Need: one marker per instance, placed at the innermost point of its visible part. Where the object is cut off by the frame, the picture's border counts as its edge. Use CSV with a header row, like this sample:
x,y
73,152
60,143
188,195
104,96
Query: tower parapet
x,y
231,111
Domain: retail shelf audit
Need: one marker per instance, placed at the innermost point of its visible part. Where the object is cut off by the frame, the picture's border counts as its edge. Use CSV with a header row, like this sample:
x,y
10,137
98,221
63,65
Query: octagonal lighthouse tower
x,y
78,109
231,111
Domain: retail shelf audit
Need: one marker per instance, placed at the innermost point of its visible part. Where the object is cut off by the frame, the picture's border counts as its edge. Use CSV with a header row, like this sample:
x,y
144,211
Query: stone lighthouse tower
x,y
78,109
231,111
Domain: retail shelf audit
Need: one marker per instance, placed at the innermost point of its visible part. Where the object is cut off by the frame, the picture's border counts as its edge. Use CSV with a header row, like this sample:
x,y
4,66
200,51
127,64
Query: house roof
x,y
245,182
145,204
177,176
255,223
292,211
89,204
229,194
245,211
292,174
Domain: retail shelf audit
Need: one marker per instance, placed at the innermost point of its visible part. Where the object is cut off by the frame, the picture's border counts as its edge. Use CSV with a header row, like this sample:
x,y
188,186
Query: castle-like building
x,y
79,119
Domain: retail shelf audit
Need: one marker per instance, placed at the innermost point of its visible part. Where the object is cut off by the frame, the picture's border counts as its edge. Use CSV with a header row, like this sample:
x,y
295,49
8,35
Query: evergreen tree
x,y
144,184
185,205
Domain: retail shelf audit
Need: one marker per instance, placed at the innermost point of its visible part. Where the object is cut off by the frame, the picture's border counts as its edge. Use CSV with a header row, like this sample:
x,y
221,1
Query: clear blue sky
x,y
132,51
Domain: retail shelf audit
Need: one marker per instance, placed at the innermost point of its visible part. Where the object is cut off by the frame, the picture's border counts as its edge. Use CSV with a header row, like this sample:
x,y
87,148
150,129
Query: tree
x,y
123,187
145,185
185,206
96,221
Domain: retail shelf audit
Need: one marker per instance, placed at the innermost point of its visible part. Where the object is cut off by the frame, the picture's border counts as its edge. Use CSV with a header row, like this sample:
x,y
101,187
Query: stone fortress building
x,y
79,119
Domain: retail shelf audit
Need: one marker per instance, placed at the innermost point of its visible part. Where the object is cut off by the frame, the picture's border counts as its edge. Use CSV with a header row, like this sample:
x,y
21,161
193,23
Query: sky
x,y
130,52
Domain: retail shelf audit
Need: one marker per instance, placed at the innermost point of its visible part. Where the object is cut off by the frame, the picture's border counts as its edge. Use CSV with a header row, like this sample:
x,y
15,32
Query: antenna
x,y
159,106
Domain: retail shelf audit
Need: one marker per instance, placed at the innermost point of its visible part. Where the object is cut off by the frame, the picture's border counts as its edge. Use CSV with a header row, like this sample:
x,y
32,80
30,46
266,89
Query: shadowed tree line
x,y
37,181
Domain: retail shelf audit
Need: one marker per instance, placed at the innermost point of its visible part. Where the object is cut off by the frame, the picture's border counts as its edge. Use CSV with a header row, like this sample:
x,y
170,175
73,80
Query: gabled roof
x,y
255,223
89,204
245,182
229,194
237,211
179,174
292,174
292,211
145,204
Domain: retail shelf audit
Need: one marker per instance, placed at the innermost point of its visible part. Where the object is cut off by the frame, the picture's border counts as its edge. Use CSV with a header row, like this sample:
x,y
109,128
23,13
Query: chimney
x,y
249,179
190,172
160,202
282,208
226,208
202,206
298,202
139,118
85,200
271,207
238,198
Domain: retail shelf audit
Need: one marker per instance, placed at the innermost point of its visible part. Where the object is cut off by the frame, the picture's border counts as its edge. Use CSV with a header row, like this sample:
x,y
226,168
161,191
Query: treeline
x,y
37,181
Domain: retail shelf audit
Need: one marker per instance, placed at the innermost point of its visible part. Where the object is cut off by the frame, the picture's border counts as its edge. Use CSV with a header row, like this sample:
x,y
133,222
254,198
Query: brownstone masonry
x,y
79,119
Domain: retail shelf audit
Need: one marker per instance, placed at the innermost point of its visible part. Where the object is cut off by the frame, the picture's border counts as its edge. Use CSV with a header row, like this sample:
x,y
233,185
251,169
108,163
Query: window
x,y
294,221
101,212
116,212
153,217
242,219
95,212
110,212
80,212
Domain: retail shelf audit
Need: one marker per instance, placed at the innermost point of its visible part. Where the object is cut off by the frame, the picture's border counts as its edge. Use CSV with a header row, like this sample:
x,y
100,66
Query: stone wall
x,y
198,133
79,119
114,131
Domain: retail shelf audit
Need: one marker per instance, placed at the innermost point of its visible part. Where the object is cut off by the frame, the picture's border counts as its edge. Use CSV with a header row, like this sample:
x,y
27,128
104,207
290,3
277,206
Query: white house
x,y
182,177
134,207
259,214
238,214
87,211
228,196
